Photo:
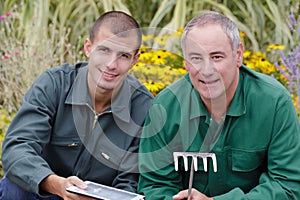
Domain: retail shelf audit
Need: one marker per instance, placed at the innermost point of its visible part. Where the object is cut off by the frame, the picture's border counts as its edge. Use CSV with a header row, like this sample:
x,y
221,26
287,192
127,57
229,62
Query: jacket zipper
x,y
96,117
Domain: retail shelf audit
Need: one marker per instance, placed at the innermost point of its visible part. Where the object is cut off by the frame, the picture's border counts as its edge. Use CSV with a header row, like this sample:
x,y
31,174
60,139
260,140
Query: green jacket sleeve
x,y
158,180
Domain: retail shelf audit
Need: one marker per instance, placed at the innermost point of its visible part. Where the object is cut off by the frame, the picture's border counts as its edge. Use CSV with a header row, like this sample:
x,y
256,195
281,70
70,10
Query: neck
x,y
217,108
101,98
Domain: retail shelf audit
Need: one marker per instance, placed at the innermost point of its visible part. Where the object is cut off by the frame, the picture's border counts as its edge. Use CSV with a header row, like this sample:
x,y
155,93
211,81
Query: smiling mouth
x,y
107,74
209,82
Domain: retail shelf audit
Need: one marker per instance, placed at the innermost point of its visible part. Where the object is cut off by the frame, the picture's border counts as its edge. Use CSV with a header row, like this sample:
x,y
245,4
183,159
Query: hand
x,y
57,185
195,195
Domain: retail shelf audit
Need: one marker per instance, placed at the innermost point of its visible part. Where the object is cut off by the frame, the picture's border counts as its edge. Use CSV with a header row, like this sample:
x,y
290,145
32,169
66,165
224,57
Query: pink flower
x,y
8,14
2,18
34,53
6,57
17,53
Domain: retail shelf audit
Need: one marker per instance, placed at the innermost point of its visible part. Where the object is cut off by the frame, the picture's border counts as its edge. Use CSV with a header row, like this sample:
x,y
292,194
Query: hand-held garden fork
x,y
194,164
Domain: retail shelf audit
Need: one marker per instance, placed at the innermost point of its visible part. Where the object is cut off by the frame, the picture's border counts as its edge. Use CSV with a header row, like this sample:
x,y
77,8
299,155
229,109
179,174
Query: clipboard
x,y
103,192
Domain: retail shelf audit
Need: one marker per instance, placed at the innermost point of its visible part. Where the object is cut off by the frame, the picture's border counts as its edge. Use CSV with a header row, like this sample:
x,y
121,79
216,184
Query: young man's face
x,y
211,62
110,58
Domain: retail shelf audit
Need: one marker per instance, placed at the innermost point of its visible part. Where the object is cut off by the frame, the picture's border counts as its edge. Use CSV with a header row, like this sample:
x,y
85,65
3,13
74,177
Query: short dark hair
x,y
119,23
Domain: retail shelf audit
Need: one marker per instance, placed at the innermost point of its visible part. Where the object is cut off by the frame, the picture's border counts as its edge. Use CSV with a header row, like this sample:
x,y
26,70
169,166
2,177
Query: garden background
x,y
39,34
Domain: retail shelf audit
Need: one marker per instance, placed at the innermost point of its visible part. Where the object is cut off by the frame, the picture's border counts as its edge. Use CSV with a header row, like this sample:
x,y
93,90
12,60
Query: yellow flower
x,y
154,87
247,54
145,57
242,35
147,37
266,66
181,71
160,40
158,58
275,47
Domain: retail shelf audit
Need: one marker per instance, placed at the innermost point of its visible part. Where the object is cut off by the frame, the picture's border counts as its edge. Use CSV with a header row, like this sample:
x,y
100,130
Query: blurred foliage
x,y
257,18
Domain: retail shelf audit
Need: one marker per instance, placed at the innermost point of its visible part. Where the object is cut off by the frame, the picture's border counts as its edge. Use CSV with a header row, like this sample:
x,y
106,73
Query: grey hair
x,y
210,17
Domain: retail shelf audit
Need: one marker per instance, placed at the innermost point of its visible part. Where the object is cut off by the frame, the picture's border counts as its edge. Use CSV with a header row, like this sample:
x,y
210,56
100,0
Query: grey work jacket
x,y
57,131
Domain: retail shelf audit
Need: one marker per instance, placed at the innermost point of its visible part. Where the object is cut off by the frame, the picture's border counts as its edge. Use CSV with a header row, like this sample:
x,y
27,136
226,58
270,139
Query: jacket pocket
x,y
107,153
247,160
65,142
246,167
61,154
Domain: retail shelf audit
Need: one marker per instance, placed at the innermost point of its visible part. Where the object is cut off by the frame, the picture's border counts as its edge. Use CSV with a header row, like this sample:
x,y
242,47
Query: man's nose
x,y
207,68
111,62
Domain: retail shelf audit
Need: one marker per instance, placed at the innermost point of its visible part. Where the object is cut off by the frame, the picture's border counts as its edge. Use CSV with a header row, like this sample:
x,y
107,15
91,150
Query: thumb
x,y
74,180
181,195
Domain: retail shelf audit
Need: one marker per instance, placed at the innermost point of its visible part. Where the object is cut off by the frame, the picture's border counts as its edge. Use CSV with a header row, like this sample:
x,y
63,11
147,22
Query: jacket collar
x,y
238,104
79,95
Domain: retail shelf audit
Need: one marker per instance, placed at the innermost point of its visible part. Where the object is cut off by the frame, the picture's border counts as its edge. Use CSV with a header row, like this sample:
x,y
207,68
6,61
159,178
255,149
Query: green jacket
x,y
257,151
57,131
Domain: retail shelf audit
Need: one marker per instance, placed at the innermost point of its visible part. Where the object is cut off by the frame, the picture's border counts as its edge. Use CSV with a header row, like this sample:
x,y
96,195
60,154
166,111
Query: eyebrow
x,y
217,52
119,52
102,46
194,54
211,53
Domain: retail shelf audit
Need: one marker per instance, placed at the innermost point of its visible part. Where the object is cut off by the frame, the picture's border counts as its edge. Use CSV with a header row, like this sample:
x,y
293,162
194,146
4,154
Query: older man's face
x,y
211,62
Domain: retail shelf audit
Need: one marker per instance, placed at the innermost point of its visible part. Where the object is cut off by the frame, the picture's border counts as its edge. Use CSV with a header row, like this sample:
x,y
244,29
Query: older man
x,y
245,119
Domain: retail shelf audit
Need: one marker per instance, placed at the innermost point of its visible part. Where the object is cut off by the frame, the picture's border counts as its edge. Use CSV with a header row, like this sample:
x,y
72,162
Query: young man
x,y
244,118
80,122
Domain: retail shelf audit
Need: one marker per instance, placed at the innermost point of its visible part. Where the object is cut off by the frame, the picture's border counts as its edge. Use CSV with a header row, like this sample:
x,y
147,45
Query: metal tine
x,y
195,159
175,156
195,156
213,157
204,160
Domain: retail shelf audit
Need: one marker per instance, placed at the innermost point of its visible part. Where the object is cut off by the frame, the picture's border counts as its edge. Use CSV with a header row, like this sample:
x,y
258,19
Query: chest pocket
x,y
247,161
105,151
245,168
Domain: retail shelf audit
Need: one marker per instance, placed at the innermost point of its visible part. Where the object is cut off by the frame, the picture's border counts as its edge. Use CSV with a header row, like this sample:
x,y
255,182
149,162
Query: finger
x,y
181,195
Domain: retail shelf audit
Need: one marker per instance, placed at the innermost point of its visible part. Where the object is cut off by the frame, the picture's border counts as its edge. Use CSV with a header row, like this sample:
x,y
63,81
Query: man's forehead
x,y
126,42
206,43
115,43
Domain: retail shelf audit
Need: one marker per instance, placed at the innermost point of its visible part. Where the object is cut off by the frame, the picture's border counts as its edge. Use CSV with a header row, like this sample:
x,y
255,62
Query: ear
x,y
135,59
186,65
87,47
240,55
